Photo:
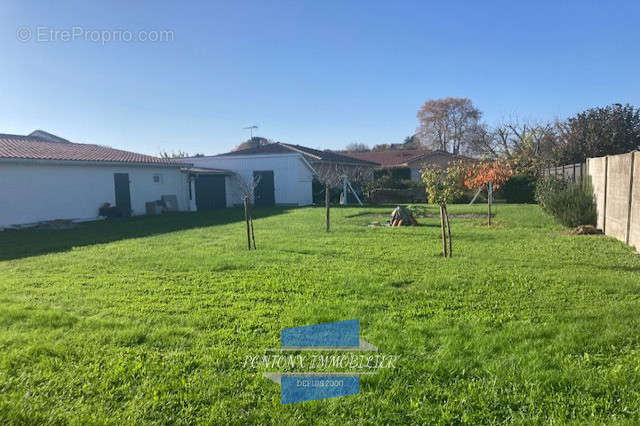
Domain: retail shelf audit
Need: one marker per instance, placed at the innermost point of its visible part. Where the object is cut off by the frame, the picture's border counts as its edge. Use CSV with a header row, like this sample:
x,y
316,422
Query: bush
x,y
388,182
386,189
570,204
547,186
519,189
109,211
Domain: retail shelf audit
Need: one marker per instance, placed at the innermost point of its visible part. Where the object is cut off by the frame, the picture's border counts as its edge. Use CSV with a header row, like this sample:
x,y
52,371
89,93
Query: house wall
x,y
37,192
291,175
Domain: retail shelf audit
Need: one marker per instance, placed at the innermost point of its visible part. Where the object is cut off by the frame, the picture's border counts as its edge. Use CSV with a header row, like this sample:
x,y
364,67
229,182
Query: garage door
x,y
210,192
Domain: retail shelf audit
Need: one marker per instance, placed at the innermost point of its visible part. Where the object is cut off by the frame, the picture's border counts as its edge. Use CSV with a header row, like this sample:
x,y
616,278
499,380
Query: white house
x,y
44,177
285,171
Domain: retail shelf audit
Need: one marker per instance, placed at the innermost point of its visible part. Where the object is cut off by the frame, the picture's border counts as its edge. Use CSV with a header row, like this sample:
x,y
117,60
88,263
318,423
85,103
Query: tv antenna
x,y
251,129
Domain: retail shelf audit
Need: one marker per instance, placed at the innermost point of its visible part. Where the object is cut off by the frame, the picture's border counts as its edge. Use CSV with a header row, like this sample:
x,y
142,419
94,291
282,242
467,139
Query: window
x,y
157,178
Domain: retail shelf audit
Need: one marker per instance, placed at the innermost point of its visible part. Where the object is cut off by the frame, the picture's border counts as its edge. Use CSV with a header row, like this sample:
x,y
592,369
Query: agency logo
x,y
325,351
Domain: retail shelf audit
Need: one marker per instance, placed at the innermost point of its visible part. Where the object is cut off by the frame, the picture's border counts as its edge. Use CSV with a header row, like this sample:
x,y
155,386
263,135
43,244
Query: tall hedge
x,y
519,189
569,203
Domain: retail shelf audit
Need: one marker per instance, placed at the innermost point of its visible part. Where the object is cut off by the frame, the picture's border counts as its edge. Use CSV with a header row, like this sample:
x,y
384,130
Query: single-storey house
x,y
284,173
405,164
44,177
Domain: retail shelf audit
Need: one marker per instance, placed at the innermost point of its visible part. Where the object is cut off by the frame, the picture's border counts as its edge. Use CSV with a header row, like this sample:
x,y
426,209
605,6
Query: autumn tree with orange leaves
x,y
491,175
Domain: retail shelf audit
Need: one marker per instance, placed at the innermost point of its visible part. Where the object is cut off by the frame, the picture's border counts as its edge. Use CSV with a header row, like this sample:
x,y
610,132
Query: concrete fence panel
x,y
618,186
634,216
597,169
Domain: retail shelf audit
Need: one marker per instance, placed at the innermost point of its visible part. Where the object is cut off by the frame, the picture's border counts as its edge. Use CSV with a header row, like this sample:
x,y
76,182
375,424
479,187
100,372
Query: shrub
x,y
388,182
386,189
570,204
547,186
109,211
519,189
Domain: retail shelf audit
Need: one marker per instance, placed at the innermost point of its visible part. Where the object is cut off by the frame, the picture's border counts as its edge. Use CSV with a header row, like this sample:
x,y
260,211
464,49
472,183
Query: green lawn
x,y
149,320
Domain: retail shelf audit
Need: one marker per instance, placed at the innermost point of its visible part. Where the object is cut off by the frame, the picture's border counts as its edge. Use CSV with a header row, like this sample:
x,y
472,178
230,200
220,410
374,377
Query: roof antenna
x,y
251,128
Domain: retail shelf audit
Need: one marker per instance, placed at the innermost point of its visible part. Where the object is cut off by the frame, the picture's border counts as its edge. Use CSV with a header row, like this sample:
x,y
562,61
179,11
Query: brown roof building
x,y
37,146
406,163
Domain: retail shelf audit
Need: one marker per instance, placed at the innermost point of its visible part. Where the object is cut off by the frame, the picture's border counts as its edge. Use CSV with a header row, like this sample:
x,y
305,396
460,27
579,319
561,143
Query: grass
x,y
149,320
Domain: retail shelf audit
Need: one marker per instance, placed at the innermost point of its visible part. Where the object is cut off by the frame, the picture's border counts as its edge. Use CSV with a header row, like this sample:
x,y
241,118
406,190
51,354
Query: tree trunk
x,y
253,235
444,235
489,201
327,207
446,215
246,219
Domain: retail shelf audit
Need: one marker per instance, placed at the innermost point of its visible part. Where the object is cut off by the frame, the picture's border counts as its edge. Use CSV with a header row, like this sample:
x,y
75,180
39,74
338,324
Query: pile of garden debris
x,y
586,230
402,216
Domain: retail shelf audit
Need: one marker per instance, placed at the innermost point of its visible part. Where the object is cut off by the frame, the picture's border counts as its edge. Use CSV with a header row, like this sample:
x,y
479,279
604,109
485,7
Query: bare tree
x,y
445,124
334,175
526,146
357,147
411,142
245,186
178,154
254,142
329,175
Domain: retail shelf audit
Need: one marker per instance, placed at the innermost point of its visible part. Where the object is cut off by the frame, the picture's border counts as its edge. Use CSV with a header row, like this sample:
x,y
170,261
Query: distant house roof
x,y
400,158
41,147
41,134
272,148
390,158
312,155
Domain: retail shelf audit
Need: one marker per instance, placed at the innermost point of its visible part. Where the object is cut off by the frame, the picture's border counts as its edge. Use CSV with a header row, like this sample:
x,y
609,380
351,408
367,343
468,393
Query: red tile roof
x,y
272,148
313,155
390,158
35,148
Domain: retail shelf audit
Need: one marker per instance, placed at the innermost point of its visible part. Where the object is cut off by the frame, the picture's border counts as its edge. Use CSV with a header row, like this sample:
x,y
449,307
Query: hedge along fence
x,y
616,186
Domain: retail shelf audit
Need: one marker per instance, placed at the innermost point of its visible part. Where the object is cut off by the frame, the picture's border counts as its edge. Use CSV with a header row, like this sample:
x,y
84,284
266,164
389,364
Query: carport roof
x,y
206,171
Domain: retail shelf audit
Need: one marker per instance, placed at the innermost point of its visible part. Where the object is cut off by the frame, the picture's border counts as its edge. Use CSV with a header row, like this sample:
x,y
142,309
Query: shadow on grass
x,y
365,213
17,244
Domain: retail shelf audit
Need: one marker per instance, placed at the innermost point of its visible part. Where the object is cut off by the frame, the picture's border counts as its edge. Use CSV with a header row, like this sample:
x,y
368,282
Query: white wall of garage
x,y
46,190
292,175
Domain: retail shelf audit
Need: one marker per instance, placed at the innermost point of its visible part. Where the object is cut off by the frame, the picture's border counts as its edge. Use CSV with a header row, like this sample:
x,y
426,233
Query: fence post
x,y
633,158
604,207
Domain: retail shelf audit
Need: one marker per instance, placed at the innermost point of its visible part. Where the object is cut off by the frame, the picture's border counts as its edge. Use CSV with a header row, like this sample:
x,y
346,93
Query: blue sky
x,y
317,73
